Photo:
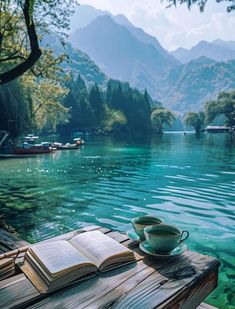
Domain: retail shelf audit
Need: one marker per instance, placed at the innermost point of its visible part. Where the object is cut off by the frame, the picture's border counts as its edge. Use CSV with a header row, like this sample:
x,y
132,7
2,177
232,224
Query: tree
x,y
85,117
224,105
22,24
159,117
108,93
201,3
113,121
47,109
116,99
96,102
15,107
195,120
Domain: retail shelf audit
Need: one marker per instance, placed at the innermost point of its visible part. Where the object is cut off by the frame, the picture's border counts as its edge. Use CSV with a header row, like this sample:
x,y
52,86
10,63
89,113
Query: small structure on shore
x,y
217,129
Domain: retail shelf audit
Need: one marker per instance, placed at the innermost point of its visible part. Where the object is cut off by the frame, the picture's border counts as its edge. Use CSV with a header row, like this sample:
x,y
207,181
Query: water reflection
x,y
186,180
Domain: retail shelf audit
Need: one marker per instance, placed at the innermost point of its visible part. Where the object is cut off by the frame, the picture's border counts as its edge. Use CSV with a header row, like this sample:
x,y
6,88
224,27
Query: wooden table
x,y
149,283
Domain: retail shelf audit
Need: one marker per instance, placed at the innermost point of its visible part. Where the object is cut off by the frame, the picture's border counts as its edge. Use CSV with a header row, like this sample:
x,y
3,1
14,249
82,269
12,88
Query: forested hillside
x,y
217,50
138,58
15,107
124,52
118,109
187,87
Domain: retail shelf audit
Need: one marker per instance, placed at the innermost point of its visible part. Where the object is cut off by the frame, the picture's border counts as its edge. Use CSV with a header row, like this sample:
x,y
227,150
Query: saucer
x,y
145,247
132,235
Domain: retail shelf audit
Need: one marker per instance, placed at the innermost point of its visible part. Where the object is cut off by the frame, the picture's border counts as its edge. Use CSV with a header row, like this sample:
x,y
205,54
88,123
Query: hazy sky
x,y
174,27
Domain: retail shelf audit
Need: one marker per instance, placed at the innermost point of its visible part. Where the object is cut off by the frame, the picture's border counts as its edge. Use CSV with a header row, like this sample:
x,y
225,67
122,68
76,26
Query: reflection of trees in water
x,y
221,140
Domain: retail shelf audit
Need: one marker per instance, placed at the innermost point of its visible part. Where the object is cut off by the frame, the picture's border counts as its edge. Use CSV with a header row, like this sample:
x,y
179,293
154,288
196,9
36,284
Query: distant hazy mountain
x,y
85,14
187,87
217,50
124,52
79,62
228,44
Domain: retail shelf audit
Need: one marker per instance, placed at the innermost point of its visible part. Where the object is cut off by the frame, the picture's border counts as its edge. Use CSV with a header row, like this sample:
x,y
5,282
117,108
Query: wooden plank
x,y
118,237
10,242
152,291
13,291
206,306
106,290
194,292
144,283
16,290
114,234
80,296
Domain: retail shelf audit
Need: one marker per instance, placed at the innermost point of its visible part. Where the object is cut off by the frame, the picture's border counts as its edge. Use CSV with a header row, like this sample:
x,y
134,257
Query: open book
x,y
54,264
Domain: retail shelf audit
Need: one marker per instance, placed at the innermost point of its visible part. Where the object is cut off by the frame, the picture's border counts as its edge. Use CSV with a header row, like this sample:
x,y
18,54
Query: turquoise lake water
x,y
185,180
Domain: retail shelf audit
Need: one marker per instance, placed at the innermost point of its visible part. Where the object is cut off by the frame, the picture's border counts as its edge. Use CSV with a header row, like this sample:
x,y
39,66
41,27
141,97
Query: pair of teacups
x,y
161,237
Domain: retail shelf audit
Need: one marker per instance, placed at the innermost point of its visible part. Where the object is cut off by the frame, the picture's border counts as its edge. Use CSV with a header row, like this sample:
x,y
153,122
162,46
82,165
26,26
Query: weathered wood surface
x,y
148,283
206,306
10,242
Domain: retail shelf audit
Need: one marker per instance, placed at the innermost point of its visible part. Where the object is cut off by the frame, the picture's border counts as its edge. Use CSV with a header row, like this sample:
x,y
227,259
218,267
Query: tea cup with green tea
x,y
164,238
140,223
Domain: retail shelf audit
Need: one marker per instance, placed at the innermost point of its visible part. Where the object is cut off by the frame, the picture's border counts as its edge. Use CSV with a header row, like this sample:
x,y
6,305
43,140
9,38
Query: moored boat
x,y
30,147
33,150
77,143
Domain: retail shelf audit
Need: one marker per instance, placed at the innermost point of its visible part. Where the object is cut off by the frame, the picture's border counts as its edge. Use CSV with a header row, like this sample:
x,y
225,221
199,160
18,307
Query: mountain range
x,y
124,52
187,87
217,50
182,80
79,62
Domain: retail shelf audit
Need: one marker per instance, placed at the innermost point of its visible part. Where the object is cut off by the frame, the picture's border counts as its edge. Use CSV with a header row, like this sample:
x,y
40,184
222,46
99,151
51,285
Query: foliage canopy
x,y
224,105
160,117
23,23
202,3
195,120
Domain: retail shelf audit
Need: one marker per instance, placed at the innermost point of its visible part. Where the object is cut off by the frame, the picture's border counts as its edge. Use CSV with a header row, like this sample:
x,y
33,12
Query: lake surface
x,y
185,180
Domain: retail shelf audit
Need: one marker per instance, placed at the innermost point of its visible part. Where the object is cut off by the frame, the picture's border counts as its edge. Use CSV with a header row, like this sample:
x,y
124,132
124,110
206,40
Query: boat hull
x,y
67,147
36,150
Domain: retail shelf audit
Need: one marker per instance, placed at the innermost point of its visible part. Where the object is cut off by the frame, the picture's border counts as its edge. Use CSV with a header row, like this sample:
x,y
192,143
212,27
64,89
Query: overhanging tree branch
x,y
35,53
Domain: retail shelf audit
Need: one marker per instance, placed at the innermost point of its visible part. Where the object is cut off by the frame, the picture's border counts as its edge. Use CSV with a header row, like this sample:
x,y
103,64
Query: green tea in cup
x,y
141,222
164,238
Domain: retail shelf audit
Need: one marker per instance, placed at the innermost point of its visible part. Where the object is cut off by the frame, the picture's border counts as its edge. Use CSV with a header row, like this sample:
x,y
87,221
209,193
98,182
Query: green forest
x,y
47,86
48,107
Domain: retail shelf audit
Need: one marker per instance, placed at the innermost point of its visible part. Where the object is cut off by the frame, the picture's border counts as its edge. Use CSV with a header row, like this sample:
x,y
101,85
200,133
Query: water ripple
x,y
185,181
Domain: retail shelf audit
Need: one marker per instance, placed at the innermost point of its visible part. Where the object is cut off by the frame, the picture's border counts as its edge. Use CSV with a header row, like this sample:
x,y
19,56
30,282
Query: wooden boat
x,y
33,150
79,141
30,147
68,146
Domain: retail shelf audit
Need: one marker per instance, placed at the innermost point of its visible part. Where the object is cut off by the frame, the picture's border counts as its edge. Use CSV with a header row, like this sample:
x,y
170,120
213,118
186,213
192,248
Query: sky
x,y
174,27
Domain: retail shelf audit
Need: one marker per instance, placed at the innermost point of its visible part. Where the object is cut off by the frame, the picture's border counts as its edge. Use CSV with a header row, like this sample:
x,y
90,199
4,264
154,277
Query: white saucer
x,y
132,235
145,247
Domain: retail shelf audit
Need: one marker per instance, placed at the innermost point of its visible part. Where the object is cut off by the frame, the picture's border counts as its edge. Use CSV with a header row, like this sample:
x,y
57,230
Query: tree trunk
x,y
35,50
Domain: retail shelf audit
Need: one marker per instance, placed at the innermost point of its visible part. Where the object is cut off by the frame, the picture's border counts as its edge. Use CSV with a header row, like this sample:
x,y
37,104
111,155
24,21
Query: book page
x,y
98,246
58,256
